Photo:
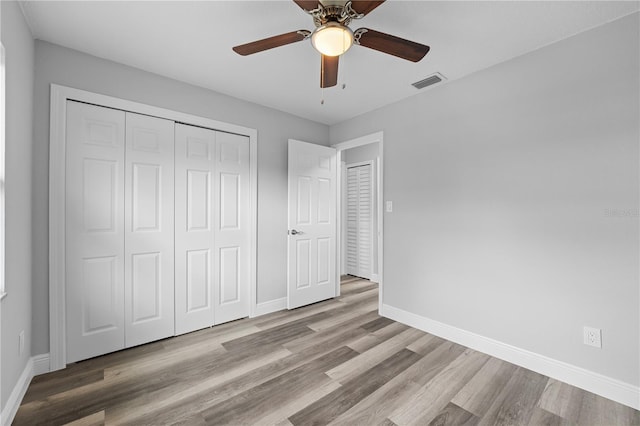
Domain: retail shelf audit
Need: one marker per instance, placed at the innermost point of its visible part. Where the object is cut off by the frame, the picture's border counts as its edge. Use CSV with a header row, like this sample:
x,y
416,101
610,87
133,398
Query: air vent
x,y
432,79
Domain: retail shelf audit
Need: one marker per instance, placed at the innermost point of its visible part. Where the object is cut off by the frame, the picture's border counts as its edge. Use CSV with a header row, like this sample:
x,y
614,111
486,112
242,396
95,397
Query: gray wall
x,y
505,186
55,64
16,307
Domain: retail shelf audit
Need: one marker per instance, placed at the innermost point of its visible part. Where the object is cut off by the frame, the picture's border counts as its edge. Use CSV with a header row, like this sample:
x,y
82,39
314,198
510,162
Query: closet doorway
x,y
114,165
360,208
358,213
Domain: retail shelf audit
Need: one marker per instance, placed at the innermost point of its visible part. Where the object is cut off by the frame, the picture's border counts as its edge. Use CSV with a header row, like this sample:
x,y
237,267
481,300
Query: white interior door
x,y
149,229
359,222
312,224
94,203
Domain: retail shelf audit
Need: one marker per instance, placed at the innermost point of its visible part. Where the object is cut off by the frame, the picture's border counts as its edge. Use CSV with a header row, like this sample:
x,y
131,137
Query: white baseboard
x,y
599,384
270,306
36,365
374,278
41,364
15,399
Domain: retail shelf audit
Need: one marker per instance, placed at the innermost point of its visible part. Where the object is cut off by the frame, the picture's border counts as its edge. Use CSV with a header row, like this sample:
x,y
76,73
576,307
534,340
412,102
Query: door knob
x,y
294,232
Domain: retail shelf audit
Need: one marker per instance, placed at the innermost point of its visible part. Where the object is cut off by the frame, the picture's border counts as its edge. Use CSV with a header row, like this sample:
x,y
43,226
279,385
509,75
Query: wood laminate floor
x,y
335,362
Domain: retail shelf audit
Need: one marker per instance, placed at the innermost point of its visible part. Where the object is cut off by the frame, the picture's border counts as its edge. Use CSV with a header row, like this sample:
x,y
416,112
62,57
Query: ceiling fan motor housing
x,y
334,11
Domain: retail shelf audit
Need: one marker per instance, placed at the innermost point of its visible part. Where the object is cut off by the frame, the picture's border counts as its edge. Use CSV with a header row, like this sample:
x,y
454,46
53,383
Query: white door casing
x,y
95,230
149,229
312,245
359,220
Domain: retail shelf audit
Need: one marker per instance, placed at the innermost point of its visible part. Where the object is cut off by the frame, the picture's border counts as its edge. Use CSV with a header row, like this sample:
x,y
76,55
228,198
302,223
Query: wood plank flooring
x,y
335,362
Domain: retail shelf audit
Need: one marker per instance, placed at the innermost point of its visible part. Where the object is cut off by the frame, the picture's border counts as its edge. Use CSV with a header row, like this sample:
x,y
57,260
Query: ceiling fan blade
x,y
307,4
365,6
329,71
396,46
270,42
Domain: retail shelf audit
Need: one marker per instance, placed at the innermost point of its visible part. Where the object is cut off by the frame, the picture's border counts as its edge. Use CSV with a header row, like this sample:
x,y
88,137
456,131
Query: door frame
x,y
57,171
354,143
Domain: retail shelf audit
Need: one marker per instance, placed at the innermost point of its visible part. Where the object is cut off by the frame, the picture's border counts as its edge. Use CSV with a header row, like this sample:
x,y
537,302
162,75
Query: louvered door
x,y
359,220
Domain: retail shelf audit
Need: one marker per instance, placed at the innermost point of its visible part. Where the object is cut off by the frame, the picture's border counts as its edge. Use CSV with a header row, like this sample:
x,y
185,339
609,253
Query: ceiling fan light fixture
x,y
332,39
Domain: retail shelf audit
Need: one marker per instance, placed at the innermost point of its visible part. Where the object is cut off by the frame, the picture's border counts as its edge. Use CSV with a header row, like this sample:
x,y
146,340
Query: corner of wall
x,y
15,398
19,44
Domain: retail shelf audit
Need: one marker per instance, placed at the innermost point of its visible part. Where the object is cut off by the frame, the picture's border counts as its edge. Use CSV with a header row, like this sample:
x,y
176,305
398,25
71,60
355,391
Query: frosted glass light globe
x,y
332,39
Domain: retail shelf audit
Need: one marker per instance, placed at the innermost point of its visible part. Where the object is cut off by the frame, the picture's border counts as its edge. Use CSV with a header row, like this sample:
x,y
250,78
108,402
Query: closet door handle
x,y
294,232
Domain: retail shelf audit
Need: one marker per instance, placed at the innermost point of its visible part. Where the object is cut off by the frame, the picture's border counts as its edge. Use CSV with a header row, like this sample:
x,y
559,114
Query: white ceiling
x,y
192,41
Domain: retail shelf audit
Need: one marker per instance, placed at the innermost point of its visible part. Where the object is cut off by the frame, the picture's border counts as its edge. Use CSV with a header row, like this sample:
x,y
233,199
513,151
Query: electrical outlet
x,y
389,206
21,343
593,337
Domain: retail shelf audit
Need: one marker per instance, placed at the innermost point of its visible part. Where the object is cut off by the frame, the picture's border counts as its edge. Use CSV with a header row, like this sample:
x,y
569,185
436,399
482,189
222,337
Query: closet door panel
x,y
94,230
352,221
365,221
232,227
149,229
229,275
359,221
195,152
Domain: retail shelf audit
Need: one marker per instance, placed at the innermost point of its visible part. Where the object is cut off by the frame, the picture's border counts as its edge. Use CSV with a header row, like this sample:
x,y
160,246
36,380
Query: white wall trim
x,y
57,149
599,384
40,364
362,140
15,399
253,212
270,306
36,365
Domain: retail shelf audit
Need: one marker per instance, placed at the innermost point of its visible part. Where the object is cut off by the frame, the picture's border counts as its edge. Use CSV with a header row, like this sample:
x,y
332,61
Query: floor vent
x,y
432,79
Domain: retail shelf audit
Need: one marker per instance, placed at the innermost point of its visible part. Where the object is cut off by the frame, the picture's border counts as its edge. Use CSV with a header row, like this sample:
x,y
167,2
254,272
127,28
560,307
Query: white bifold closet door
x,y
94,230
359,221
148,244
119,230
212,257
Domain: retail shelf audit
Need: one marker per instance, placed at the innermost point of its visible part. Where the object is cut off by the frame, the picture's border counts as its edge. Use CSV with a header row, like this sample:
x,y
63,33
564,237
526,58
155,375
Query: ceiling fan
x,y
333,37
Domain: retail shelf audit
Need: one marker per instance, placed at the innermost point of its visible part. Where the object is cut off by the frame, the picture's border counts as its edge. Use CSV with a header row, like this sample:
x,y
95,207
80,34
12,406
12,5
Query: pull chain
x,y
344,73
